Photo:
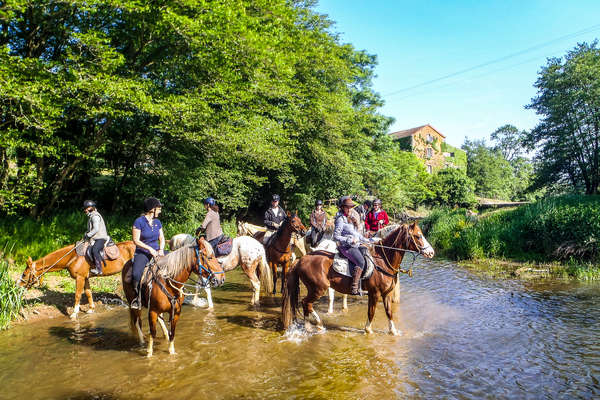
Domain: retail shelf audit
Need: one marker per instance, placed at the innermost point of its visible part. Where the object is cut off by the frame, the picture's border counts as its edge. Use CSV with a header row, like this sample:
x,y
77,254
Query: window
x,y
429,152
429,138
429,169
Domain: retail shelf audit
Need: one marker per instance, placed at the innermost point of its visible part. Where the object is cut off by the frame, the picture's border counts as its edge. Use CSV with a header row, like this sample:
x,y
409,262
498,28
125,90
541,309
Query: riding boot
x,y
137,298
356,280
97,270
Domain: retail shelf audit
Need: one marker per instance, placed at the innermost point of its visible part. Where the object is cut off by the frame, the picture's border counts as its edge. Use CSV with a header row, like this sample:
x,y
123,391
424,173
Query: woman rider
x,y
149,242
96,234
318,220
349,240
211,223
376,219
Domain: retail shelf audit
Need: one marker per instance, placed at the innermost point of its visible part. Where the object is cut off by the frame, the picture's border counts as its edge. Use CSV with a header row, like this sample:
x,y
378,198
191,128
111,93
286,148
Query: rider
x,y
349,240
96,234
275,215
318,220
149,242
376,219
211,223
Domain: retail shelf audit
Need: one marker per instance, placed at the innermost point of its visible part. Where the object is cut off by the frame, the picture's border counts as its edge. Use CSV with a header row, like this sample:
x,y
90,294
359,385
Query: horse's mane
x,y
173,263
385,231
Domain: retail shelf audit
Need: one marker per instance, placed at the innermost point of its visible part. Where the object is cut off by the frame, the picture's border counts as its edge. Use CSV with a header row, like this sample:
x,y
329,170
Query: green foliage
x,y
550,229
458,160
567,137
118,101
11,297
452,187
489,170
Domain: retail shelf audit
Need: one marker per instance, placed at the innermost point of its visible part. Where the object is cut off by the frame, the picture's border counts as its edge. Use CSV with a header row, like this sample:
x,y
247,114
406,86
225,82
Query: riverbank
x,y
557,236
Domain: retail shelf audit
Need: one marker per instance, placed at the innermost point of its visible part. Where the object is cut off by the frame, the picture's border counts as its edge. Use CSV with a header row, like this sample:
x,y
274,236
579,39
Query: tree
x,y
452,187
568,135
491,173
509,141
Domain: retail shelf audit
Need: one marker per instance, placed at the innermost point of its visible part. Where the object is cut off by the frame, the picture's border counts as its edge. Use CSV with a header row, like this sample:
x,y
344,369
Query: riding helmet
x,y
89,203
150,203
210,201
275,197
377,201
318,203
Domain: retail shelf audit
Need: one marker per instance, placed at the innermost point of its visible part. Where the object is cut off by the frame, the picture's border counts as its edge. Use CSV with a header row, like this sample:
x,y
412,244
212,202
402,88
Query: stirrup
x,y
135,304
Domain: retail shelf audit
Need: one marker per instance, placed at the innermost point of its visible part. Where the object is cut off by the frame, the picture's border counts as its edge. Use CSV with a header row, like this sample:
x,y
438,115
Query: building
x,y
429,145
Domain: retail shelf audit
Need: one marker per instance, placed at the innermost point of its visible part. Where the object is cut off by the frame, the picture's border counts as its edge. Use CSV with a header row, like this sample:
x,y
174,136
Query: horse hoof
x,y
329,312
369,331
90,311
73,316
396,333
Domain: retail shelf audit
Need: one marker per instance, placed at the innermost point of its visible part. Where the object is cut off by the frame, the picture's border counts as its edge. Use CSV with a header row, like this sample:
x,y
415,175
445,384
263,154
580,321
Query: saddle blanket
x,y
340,263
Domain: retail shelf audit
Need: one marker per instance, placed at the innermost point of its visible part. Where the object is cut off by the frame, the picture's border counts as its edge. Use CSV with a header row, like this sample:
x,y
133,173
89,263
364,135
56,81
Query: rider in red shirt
x,y
376,219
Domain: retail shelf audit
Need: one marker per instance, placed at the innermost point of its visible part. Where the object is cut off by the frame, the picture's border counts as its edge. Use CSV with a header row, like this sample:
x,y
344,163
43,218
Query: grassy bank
x,y
563,231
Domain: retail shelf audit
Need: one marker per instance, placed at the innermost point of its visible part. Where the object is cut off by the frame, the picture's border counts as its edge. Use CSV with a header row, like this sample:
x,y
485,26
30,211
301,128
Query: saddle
x,y
110,252
224,246
341,265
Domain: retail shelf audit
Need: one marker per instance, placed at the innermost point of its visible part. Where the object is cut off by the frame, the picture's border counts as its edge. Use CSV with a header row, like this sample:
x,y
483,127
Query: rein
x,y
389,264
38,277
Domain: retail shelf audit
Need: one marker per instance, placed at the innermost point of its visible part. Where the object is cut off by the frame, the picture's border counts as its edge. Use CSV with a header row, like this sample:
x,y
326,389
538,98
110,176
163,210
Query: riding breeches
x,y
140,260
96,248
214,242
355,256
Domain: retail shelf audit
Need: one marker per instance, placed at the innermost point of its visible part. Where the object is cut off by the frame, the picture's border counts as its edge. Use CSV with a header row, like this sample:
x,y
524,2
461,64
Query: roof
x,y
412,131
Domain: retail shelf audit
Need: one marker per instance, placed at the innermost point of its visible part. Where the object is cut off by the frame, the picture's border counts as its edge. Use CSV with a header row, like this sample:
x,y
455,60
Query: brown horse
x,y
78,267
316,272
279,251
163,290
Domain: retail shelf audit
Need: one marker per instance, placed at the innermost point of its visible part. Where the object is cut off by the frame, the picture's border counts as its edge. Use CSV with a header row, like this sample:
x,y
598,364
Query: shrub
x,y
452,187
11,297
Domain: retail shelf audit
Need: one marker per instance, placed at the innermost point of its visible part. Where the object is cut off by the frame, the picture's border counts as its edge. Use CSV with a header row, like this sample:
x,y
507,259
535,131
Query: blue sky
x,y
420,41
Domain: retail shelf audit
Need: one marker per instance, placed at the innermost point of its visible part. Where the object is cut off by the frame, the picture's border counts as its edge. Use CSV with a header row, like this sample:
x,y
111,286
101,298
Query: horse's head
x,y
417,241
29,276
207,265
296,223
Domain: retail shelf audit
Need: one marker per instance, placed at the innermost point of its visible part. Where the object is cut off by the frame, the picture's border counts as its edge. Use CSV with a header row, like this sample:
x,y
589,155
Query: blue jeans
x,y
355,256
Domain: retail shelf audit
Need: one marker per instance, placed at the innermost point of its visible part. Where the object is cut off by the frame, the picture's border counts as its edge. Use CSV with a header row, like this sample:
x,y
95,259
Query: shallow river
x,y
464,336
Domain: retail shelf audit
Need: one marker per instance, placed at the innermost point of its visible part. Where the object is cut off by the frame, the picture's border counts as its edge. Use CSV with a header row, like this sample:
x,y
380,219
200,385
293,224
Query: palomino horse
x,y
279,251
163,288
316,272
78,267
247,252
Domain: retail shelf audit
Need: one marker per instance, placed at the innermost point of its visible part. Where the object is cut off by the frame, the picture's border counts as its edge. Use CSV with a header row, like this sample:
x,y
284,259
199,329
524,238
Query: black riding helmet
x,y
89,203
318,203
150,203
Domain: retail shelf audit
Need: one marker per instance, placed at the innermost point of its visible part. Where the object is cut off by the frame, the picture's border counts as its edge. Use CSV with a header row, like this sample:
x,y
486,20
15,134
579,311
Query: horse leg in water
x,y
135,323
373,299
172,333
88,293
389,311
161,321
152,317
250,271
284,269
79,283
331,298
313,295
274,270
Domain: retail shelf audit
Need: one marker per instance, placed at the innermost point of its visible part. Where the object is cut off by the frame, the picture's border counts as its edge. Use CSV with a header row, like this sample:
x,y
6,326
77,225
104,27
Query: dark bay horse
x,y
78,267
167,280
279,250
314,270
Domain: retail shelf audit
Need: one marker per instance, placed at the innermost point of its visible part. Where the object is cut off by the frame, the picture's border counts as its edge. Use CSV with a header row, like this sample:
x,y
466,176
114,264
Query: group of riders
x,y
354,228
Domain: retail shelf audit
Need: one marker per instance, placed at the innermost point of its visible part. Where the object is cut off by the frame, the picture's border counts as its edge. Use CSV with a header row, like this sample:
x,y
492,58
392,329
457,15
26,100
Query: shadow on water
x,y
63,301
91,396
99,338
266,324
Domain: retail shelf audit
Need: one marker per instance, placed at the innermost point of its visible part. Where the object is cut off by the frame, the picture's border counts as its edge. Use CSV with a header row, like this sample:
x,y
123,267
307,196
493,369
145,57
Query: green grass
x,y
565,229
11,297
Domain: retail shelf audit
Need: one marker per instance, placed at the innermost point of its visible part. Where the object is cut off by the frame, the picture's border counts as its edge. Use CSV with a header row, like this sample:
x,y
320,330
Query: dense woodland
x,y
181,100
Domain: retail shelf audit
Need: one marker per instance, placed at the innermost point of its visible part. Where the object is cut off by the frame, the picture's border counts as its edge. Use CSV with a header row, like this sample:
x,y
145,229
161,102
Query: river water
x,y
465,336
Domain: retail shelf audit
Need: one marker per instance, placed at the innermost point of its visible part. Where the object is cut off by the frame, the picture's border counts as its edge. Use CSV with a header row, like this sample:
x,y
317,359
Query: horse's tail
x,y
266,276
396,297
290,294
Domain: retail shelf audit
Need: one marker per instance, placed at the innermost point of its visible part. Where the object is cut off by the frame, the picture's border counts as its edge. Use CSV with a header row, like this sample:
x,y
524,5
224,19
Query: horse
x,y
278,249
247,252
79,269
316,272
299,244
163,288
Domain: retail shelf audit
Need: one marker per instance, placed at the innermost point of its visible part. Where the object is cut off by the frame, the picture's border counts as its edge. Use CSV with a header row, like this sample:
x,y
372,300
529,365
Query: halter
x,y
34,269
201,267
393,247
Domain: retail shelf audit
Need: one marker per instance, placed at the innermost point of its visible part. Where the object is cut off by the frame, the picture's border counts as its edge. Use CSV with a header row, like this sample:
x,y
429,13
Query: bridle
x,y
37,278
394,247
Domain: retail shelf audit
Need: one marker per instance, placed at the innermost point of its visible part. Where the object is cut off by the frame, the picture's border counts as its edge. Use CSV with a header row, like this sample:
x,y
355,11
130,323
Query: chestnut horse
x,y
163,290
78,267
316,272
279,251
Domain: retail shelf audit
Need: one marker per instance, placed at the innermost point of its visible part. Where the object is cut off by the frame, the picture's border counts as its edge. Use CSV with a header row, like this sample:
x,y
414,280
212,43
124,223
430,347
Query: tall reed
x,y
11,297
